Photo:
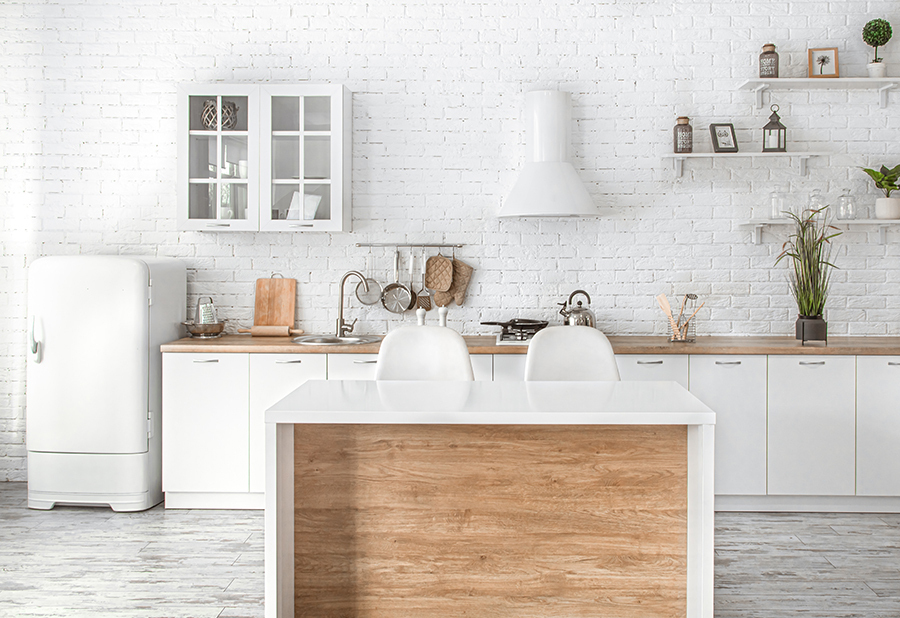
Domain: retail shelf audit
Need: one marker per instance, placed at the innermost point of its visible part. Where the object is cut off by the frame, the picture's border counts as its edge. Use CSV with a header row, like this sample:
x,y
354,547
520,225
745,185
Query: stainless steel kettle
x,y
577,315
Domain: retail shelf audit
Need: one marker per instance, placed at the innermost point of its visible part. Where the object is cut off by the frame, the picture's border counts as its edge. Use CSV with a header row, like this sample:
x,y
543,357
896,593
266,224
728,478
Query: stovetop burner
x,y
517,331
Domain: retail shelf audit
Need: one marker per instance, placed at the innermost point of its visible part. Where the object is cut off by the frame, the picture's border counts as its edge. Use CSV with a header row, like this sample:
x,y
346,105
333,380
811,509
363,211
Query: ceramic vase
x,y
877,69
887,208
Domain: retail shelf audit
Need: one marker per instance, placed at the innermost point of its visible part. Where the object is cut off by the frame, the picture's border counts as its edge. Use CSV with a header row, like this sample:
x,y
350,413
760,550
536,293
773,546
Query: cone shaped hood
x,y
548,185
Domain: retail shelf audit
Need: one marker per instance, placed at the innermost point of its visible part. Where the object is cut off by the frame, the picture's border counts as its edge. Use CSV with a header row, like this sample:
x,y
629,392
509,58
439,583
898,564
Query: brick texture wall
x,y
87,145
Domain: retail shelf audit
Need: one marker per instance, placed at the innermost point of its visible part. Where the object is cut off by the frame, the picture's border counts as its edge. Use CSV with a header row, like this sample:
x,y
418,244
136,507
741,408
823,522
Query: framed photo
x,y
823,62
723,139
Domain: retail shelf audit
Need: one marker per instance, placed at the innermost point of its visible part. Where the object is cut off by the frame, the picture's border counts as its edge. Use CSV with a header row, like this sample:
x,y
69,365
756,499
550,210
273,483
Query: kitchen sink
x,y
332,340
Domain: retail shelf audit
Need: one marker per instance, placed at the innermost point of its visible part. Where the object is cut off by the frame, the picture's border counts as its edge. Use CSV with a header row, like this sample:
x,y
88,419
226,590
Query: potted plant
x,y
886,207
809,250
875,34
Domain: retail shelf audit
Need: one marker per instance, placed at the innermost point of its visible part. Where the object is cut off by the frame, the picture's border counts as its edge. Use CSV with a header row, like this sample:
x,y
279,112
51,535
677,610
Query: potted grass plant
x,y
809,250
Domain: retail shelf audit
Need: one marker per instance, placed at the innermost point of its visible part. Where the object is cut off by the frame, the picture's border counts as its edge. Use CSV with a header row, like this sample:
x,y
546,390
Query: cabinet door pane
x,y
234,157
234,201
202,201
285,158
812,425
317,114
316,158
317,201
202,157
233,113
285,113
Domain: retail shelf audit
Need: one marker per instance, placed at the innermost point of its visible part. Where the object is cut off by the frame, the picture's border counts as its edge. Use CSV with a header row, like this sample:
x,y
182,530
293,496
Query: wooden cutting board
x,y
275,302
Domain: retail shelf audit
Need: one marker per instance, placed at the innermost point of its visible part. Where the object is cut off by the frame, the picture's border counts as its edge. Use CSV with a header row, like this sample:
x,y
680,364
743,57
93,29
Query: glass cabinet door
x,y
302,164
220,190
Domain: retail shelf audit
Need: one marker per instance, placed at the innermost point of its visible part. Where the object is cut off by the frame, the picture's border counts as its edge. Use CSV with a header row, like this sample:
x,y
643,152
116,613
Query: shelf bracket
x,y
756,233
804,167
882,234
758,91
678,164
883,94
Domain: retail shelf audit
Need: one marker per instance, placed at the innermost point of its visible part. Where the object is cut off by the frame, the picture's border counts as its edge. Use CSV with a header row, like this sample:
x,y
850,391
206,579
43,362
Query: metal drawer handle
x,y
291,362
301,225
650,362
812,362
212,360
728,362
359,362
218,225
893,364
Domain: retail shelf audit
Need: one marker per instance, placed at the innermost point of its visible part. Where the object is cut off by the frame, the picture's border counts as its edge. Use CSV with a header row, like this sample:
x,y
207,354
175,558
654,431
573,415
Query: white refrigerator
x,y
93,378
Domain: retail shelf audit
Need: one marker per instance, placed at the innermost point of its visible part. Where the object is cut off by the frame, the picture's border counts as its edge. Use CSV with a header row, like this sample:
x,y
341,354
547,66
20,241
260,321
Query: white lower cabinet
x,y
272,377
665,367
812,425
483,367
205,423
734,387
351,366
878,426
509,367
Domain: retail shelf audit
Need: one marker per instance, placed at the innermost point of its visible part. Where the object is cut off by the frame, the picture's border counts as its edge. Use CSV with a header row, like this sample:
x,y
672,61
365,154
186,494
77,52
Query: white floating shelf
x,y
882,84
678,159
759,225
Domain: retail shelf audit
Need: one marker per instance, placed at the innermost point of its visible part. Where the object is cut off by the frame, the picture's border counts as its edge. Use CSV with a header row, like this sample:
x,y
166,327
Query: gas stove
x,y
517,331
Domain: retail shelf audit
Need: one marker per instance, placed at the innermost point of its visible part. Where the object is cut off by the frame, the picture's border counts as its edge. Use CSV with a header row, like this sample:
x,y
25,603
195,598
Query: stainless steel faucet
x,y
344,329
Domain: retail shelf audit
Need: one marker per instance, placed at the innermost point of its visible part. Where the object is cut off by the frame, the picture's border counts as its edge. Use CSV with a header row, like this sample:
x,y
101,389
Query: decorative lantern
x,y
774,133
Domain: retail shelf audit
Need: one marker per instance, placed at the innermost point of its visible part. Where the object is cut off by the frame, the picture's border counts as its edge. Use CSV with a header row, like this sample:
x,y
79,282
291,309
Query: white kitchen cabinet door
x,y
351,366
812,425
878,426
482,367
734,387
272,377
665,367
205,421
509,367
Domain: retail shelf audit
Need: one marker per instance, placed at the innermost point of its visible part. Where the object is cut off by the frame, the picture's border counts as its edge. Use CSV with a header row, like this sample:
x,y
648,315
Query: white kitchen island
x,y
489,498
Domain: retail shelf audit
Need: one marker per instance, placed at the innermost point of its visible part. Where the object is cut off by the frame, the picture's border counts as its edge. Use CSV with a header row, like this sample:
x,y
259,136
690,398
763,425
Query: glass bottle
x,y
816,201
846,206
768,61
684,135
777,204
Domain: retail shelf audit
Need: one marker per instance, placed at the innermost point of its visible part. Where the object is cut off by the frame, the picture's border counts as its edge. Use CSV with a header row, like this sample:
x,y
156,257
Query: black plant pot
x,y
811,328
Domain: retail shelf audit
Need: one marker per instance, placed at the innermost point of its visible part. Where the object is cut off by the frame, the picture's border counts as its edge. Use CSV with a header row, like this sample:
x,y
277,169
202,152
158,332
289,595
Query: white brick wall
x,y
87,143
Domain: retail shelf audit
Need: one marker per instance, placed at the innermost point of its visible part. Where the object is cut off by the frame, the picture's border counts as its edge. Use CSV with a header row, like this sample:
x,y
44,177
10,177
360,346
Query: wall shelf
x,y
678,159
883,84
758,225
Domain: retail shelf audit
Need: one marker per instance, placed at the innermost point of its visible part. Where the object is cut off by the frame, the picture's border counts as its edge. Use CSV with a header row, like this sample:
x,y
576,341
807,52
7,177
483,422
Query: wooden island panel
x,y
490,520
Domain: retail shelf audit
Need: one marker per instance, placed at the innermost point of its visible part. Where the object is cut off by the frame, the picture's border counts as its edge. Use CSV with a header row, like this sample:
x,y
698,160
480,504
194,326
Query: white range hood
x,y
548,185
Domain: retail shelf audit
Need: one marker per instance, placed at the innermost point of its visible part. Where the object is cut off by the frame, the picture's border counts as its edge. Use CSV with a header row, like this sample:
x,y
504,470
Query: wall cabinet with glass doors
x,y
268,158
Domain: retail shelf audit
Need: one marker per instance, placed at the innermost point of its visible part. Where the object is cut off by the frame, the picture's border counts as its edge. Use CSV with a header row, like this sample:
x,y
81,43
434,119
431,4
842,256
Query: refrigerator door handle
x,y
36,344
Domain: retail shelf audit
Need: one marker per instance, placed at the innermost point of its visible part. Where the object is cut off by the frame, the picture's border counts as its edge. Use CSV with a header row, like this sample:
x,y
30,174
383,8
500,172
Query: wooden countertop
x,y
622,344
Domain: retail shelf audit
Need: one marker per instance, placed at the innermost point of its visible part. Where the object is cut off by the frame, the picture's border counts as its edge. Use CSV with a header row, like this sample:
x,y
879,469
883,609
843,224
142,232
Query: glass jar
x,y
816,201
777,204
846,206
768,61
684,135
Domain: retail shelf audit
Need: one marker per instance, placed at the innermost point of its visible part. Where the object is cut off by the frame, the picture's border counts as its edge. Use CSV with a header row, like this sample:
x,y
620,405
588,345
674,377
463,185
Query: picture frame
x,y
723,137
823,62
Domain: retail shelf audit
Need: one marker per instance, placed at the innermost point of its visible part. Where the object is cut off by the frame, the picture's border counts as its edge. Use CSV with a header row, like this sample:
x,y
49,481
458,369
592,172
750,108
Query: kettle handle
x,y
572,295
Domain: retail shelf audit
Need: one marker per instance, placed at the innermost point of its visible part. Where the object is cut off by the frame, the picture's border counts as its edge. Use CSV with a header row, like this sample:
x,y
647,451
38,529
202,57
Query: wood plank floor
x,y
171,564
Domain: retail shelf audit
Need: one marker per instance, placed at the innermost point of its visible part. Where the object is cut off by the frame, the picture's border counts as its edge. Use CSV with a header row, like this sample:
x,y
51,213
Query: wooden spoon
x,y
667,309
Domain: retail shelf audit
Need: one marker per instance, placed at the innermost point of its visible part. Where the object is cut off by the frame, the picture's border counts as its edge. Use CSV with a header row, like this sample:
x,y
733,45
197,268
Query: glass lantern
x,y
774,133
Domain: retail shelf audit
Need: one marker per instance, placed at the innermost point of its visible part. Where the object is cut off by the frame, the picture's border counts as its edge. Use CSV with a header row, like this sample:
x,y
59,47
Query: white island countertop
x,y
491,403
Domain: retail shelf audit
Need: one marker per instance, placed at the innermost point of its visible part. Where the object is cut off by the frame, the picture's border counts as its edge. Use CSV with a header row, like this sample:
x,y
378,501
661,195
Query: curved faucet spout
x,y
344,329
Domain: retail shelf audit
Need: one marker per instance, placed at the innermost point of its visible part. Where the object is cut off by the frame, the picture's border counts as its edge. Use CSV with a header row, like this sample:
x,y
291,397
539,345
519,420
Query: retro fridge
x,y
93,377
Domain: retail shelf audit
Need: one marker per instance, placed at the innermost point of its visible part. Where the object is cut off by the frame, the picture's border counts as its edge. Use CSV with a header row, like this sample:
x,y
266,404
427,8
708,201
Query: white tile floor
x,y
171,564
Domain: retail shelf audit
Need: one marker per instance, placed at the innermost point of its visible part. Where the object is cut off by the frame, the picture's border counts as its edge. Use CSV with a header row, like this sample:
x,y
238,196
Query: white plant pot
x,y
877,69
887,208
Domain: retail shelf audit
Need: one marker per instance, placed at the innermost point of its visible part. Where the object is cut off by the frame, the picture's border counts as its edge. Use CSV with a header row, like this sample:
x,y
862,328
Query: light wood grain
x,y
425,520
480,344
276,299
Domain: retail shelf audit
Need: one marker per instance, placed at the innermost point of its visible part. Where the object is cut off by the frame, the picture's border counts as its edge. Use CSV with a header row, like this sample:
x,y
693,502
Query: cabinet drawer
x,y
667,367
812,425
734,387
878,426
205,423
351,366
272,377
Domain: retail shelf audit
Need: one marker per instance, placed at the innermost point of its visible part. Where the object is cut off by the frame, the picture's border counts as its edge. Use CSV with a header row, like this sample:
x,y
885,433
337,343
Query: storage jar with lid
x,y
684,135
768,61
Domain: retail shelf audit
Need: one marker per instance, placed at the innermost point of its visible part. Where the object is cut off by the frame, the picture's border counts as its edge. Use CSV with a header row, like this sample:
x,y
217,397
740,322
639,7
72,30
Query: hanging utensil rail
x,y
411,244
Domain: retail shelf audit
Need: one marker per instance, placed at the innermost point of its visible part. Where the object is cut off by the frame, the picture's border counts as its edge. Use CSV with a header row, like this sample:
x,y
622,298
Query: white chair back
x,y
570,353
424,353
